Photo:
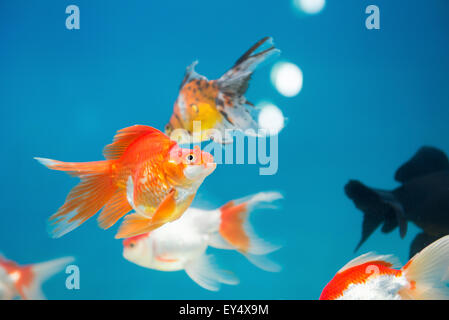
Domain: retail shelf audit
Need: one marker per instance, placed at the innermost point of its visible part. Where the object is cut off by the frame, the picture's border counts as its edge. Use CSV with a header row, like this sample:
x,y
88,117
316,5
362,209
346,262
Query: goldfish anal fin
x,y
126,136
134,225
205,272
114,209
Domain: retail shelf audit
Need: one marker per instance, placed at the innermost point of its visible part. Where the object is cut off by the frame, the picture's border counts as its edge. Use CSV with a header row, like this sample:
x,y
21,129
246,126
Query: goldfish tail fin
x,y
236,80
40,273
378,207
235,228
133,225
93,192
263,262
428,273
204,271
236,110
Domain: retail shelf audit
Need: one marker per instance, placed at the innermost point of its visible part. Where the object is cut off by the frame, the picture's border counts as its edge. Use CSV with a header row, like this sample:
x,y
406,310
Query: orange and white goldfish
x,y
26,281
217,104
182,244
372,277
144,171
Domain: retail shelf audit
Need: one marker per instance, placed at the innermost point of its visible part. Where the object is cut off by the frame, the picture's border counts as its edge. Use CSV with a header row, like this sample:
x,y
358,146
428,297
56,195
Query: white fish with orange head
x,y
373,277
182,244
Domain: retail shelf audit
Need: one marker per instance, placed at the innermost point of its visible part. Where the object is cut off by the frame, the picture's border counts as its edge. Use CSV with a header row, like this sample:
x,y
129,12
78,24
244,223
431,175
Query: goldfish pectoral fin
x,y
204,271
166,258
167,209
427,160
135,224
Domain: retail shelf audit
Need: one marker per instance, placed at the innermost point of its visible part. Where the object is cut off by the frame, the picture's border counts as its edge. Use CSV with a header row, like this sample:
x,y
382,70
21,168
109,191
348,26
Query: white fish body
x,y
182,244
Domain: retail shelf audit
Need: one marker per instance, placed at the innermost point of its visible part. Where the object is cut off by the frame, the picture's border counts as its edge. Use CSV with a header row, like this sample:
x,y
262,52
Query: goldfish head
x,y
194,112
191,164
136,250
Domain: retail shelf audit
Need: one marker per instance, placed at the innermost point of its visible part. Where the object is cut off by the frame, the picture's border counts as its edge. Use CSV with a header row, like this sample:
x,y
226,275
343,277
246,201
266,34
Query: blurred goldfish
x,y
217,104
182,244
371,277
144,171
26,281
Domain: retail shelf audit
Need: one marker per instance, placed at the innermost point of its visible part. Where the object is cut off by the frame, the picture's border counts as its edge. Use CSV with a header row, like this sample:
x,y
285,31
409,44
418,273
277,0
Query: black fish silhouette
x,y
423,198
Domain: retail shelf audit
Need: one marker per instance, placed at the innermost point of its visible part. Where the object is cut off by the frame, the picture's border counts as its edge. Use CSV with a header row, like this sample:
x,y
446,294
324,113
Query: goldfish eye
x,y
132,245
167,128
195,108
190,158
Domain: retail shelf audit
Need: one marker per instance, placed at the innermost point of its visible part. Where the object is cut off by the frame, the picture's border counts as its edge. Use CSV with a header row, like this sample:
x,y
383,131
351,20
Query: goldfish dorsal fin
x,y
191,74
426,161
370,257
126,136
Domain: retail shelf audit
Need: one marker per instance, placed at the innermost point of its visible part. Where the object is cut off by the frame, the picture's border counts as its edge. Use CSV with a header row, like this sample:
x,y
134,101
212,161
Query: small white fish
x,y
182,244
26,281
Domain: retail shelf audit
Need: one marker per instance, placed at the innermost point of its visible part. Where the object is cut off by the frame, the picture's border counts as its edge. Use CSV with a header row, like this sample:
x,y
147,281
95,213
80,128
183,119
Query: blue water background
x,y
370,99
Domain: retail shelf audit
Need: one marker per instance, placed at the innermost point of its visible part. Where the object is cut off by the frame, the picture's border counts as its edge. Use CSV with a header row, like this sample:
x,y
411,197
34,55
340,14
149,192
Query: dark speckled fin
x,y
427,160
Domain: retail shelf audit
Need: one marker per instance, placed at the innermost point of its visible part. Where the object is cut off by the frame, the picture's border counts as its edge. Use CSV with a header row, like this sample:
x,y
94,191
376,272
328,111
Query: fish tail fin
x,y
237,233
204,271
263,262
30,287
234,83
378,207
236,80
95,190
428,273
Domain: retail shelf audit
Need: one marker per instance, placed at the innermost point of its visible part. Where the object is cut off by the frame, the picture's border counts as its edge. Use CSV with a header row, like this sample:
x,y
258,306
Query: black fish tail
x,y
378,206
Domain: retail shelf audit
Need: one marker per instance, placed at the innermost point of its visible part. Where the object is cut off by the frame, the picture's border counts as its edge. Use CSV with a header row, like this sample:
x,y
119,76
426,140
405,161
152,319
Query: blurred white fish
x,y
26,281
182,244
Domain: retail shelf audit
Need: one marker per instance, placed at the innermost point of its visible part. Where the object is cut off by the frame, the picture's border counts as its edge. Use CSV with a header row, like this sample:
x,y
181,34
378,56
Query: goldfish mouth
x,y
210,165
